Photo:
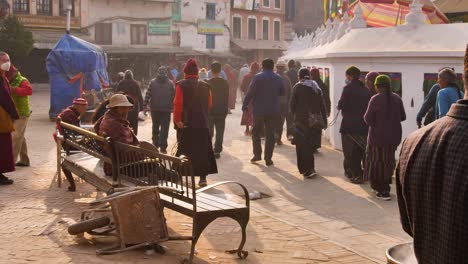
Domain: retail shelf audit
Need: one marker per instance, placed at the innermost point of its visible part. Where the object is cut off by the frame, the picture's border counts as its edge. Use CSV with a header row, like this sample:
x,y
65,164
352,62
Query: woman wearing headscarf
x,y
369,82
191,105
247,116
131,88
449,93
310,117
384,116
231,75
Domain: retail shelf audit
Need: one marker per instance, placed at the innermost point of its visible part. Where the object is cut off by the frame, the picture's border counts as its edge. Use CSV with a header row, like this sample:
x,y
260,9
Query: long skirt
x,y
7,163
306,143
195,143
380,166
232,95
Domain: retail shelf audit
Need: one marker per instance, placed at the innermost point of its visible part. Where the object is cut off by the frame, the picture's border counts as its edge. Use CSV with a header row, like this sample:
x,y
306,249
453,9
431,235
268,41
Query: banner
x,y
210,27
159,27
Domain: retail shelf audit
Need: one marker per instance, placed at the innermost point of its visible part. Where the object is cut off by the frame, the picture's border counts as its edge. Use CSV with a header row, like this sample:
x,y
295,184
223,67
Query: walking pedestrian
x,y
353,105
8,114
369,82
449,92
384,116
315,76
191,105
219,109
284,101
21,89
159,99
242,73
292,75
264,93
247,115
310,117
232,79
431,186
131,88
203,74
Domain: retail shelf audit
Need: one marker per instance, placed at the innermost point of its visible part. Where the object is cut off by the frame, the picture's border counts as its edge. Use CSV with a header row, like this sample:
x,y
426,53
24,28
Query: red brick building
x,y
257,29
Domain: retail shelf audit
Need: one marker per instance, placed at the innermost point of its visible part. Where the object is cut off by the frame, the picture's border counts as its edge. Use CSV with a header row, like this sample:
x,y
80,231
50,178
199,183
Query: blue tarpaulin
x,y
74,66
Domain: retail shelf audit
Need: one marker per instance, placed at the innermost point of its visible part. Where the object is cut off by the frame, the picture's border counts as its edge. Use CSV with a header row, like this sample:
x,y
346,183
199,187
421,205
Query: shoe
x,y
279,143
310,174
217,156
163,150
20,164
202,182
383,196
269,163
255,159
4,180
357,180
71,188
290,137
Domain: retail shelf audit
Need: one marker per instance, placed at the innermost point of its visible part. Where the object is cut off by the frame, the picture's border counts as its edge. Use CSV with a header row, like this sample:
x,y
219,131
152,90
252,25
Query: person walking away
x,y
247,115
203,74
20,91
8,114
232,79
219,109
264,93
131,88
292,75
384,116
449,92
120,77
284,101
369,82
191,106
71,115
180,75
159,99
310,117
242,73
315,76
353,105
431,186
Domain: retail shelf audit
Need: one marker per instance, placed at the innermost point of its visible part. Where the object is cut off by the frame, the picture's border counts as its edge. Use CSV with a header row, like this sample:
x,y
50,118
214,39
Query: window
x,y
44,7
103,33
211,11
236,27
210,41
265,29
21,6
266,3
278,4
63,8
252,28
290,10
277,28
138,34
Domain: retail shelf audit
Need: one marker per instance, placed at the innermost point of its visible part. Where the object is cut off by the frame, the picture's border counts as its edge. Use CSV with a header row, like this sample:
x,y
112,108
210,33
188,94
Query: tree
x,y
15,39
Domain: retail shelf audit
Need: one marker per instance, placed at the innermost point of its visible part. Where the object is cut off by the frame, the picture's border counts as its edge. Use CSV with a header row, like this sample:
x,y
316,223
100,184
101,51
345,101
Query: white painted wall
x,y
196,9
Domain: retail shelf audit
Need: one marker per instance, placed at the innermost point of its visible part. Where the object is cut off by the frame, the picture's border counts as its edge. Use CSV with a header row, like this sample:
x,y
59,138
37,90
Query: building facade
x,y
257,29
302,17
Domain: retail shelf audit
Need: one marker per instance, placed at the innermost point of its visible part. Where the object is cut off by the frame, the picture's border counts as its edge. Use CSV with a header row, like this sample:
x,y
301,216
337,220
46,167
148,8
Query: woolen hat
x,y
448,75
118,100
371,76
80,101
353,71
191,67
382,79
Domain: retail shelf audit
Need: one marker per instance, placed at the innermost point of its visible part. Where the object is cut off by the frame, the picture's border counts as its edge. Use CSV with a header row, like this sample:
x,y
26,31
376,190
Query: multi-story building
x,y
302,16
257,29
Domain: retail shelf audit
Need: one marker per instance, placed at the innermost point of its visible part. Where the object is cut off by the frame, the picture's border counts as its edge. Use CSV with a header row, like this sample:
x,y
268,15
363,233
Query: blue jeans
x,y
161,122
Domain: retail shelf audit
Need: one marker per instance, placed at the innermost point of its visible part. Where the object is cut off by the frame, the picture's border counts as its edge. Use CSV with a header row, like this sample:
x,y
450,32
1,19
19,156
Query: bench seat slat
x,y
212,198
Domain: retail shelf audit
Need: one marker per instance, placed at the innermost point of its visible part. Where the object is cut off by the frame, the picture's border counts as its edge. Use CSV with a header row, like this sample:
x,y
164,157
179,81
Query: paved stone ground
x,y
324,220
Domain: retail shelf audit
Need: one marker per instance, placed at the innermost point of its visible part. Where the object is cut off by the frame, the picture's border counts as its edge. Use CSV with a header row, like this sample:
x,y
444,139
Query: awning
x,y
260,44
452,6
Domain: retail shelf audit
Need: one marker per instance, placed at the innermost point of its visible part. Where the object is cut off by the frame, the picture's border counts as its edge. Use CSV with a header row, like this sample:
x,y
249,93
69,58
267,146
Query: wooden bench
x,y
137,166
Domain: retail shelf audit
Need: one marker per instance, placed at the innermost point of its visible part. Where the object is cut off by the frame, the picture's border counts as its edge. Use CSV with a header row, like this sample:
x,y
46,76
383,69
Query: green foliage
x,y
15,40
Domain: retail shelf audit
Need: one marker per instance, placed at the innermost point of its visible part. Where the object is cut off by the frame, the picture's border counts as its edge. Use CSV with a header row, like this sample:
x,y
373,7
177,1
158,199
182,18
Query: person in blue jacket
x,y
449,93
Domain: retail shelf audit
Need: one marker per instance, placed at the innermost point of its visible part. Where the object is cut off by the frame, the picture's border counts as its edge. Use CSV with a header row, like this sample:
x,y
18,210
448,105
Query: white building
x,y
413,52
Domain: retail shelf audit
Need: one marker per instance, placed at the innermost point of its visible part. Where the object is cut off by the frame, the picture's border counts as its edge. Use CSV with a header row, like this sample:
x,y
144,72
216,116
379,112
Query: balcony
x,y
54,22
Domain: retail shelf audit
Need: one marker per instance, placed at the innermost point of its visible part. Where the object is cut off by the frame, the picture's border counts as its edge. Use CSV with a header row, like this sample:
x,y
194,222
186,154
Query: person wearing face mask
x,y
353,105
449,93
8,114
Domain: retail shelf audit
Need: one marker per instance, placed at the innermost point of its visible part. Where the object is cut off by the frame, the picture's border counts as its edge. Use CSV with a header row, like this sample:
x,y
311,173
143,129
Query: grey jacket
x,y
161,94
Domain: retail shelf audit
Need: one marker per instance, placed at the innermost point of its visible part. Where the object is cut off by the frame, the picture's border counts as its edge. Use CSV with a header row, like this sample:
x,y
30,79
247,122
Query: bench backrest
x,y
143,167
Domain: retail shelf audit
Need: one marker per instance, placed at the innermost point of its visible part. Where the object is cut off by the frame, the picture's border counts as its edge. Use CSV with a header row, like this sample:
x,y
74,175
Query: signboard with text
x,y
210,27
243,4
159,27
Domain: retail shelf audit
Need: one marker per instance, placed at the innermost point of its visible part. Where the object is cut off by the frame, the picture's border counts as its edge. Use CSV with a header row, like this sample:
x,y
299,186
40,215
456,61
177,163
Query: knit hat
x,y
382,79
80,101
314,73
162,71
254,67
191,67
371,76
448,75
353,71
118,100
304,73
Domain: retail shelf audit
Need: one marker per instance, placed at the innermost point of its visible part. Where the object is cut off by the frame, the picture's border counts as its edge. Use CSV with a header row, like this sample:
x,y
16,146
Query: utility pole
x,y
68,8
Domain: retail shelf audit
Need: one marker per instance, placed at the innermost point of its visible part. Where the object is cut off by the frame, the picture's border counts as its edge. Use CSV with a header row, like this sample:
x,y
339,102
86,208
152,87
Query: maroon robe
x,y
7,163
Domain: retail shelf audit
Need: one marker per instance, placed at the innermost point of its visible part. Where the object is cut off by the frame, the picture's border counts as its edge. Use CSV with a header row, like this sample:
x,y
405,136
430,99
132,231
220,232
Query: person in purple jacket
x,y
384,116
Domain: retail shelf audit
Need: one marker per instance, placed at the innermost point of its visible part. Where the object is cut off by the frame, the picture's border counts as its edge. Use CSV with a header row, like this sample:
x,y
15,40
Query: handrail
x,y
246,192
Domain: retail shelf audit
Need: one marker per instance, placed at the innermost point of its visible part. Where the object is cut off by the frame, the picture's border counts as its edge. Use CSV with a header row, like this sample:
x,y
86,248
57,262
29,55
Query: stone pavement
x,y
323,220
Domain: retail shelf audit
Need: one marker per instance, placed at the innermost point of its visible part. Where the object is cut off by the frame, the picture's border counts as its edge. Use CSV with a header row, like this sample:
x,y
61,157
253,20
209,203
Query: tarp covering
x,y
74,66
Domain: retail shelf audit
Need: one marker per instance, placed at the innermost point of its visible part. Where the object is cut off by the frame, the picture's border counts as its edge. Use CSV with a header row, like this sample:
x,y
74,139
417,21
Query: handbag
x,y
6,123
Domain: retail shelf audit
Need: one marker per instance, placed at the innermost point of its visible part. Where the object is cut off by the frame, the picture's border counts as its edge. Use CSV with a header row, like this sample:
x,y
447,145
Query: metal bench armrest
x,y
246,193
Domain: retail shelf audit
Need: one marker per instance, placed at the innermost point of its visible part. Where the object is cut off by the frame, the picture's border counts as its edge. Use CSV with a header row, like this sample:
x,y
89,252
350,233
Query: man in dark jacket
x,y
431,186
219,109
353,105
284,101
159,98
264,92
292,74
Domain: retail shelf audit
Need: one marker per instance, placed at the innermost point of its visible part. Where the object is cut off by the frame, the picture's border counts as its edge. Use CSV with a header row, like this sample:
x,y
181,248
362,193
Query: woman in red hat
x,y
191,105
